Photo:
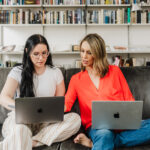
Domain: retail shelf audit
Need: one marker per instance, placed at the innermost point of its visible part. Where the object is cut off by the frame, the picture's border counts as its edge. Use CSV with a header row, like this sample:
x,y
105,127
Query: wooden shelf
x,y
40,25
146,24
145,5
57,25
127,52
77,53
38,6
109,5
63,6
64,53
12,53
67,6
107,24
74,25
21,25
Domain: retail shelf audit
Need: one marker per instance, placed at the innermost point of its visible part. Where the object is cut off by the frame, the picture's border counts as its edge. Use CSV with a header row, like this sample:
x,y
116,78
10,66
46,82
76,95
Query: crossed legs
x,y
100,139
19,136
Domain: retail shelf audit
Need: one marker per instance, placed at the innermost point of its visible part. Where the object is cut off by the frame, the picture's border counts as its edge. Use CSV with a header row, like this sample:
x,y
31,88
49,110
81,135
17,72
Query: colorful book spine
x,y
149,17
128,15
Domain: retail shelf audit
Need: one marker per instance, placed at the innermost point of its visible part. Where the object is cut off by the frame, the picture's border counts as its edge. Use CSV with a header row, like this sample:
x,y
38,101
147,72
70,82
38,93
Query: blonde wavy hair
x,y
98,50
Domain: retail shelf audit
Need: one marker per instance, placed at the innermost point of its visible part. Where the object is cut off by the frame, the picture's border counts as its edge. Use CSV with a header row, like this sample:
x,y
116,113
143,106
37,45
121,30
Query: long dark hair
x,y
26,86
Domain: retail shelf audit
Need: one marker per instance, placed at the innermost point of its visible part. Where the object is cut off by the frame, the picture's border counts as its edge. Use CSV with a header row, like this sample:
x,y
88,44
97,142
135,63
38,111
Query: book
x,y
118,61
138,16
128,14
29,2
75,48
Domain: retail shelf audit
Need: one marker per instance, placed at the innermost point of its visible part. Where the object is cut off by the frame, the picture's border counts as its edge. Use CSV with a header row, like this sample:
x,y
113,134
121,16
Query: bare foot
x,y
83,140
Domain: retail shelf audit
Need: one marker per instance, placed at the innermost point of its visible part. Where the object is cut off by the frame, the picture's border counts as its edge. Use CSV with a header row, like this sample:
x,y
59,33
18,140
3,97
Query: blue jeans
x,y
107,139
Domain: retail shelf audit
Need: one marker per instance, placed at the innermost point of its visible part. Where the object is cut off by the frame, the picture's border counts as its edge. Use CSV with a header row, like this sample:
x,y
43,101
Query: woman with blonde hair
x,y
100,81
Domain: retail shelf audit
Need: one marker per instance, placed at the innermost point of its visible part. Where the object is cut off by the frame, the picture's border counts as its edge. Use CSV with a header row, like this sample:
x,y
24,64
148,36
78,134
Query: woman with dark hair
x,y
36,77
100,81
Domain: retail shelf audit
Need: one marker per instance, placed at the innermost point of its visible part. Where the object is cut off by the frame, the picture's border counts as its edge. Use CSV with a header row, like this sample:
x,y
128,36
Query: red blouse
x,y
111,87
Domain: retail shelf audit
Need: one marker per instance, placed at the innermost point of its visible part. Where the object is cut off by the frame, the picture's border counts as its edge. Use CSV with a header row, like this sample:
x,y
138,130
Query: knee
x,y
104,134
77,119
74,119
22,130
145,124
105,131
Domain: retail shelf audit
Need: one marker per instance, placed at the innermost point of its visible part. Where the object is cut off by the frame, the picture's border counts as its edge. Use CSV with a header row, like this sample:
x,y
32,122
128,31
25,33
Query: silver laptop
x,y
116,114
39,109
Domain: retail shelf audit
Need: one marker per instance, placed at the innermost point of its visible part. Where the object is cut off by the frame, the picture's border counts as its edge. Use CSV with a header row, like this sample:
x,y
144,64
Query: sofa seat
x,y
69,145
138,79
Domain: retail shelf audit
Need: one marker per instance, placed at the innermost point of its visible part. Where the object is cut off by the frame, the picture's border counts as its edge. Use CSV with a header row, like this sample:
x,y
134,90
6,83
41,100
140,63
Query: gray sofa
x,y
138,79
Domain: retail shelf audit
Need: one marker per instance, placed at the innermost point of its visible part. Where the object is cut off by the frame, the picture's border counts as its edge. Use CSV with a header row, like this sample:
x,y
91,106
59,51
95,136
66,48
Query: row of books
x,y
141,17
64,2
119,16
20,16
45,2
98,2
19,2
92,2
129,62
76,16
121,62
70,2
8,64
141,1
95,2
107,16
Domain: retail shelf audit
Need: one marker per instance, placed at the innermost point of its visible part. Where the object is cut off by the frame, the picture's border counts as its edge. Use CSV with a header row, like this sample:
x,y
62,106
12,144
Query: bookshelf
x,y
65,22
78,53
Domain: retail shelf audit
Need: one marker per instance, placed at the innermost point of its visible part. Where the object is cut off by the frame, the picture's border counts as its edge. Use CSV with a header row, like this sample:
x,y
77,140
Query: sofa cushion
x,y
70,145
55,146
69,73
3,76
146,147
138,79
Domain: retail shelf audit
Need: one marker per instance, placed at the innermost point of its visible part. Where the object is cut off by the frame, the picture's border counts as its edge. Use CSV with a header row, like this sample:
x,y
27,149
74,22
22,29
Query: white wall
x,y
18,35
67,60
139,35
62,37
113,35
